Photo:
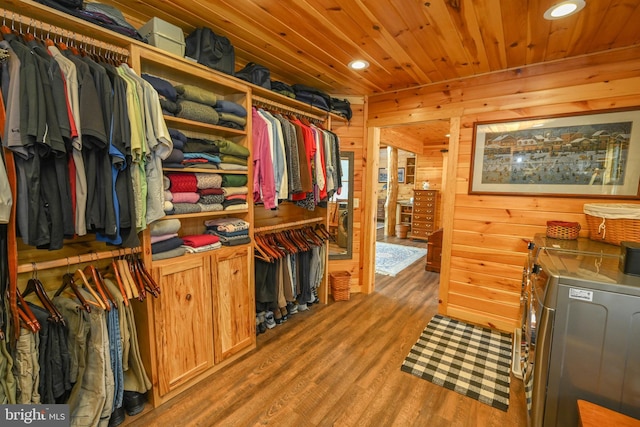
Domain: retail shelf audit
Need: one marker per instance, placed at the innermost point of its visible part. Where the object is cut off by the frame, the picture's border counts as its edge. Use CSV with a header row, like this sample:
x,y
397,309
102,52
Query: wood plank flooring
x,y
339,365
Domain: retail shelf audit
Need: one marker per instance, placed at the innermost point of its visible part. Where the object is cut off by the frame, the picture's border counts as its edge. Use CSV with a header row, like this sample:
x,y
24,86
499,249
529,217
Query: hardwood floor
x,y
338,365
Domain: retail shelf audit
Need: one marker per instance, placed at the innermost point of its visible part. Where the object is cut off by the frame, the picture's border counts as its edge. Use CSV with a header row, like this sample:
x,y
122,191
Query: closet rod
x,y
287,225
285,108
75,259
46,28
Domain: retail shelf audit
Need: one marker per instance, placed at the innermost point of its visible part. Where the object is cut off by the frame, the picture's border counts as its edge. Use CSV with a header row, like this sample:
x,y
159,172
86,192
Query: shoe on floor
x,y
303,307
117,417
133,402
269,320
292,308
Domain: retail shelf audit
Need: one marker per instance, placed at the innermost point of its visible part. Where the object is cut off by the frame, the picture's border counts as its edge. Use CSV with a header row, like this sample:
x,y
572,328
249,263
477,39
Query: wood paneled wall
x,y
485,242
352,137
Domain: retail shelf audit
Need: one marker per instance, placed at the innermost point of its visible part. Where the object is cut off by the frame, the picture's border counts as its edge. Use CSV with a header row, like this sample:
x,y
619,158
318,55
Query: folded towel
x,y
242,197
197,112
197,94
164,226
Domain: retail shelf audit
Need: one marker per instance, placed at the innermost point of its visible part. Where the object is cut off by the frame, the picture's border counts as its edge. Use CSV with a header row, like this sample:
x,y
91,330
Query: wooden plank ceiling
x,y
407,42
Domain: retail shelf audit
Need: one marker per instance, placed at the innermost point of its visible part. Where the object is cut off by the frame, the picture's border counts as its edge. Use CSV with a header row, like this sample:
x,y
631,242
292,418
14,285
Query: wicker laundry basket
x,y
340,288
613,222
563,230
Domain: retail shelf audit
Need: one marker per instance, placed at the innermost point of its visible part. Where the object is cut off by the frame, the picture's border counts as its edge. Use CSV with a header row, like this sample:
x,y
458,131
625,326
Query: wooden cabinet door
x,y
183,321
234,301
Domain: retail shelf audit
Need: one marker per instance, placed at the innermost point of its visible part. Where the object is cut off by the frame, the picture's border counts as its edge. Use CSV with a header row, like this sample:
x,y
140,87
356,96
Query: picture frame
x,y
594,154
382,175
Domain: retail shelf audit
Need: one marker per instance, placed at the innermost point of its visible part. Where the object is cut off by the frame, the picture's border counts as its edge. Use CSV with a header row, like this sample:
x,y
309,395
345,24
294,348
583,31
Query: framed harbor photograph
x,y
401,175
587,155
382,175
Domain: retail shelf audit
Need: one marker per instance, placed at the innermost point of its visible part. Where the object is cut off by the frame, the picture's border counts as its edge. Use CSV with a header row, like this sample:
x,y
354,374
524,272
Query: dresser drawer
x,y
424,210
424,217
420,234
424,226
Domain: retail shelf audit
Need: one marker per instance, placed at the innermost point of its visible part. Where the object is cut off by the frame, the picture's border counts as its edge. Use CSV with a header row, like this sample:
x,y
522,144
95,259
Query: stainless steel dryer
x,y
581,333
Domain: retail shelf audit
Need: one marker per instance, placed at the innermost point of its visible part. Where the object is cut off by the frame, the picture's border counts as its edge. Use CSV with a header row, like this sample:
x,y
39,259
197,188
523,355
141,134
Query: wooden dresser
x,y
423,221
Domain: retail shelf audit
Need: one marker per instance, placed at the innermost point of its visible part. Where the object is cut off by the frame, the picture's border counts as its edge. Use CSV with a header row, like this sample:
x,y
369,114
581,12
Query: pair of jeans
x,y
135,376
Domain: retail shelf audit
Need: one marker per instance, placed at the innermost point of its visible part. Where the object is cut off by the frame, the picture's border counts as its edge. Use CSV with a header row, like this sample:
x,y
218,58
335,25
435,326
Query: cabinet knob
x,y
188,297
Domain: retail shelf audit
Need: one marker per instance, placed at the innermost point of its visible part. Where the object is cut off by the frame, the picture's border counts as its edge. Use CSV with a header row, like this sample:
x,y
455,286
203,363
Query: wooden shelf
x,y
190,125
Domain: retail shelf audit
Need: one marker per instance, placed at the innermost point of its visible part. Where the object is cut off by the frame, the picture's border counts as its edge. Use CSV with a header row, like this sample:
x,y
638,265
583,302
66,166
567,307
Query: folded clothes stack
x,y
176,157
166,92
232,156
230,231
201,153
197,104
165,242
201,243
193,192
231,114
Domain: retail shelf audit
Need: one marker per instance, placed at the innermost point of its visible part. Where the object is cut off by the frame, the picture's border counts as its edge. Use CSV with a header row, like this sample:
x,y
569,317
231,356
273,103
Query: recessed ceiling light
x,y
564,9
358,64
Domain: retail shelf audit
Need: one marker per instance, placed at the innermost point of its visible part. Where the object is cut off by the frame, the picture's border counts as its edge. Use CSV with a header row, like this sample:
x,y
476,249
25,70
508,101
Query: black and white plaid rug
x,y
468,359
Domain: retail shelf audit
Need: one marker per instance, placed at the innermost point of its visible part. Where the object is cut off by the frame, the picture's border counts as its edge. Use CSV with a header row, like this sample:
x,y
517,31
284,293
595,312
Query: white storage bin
x,y
164,35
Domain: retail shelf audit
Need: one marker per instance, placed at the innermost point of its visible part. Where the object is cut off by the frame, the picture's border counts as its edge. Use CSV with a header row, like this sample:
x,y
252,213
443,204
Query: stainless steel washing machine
x,y
581,331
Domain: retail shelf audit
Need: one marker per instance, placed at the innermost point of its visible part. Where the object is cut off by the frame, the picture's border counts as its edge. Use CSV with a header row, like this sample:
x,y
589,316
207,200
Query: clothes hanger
x,y
79,275
127,279
150,283
26,314
93,281
137,280
118,279
67,281
34,285
261,253
106,296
